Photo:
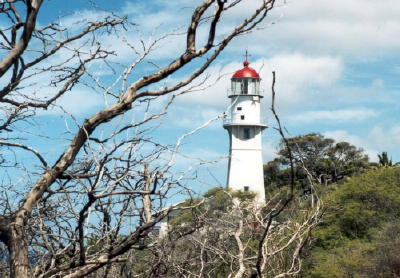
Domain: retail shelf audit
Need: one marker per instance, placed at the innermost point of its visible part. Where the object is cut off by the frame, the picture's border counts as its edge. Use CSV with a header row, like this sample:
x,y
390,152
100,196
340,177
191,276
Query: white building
x,y
245,170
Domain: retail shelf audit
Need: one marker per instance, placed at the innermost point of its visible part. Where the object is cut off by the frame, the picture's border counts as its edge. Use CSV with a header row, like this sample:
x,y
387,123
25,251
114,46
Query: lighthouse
x,y
245,168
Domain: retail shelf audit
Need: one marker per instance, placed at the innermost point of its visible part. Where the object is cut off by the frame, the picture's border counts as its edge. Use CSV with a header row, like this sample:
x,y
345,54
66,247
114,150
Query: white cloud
x,y
303,70
298,76
269,151
356,28
212,94
385,139
377,84
76,102
344,136
74,21
377,140
193,116
341,115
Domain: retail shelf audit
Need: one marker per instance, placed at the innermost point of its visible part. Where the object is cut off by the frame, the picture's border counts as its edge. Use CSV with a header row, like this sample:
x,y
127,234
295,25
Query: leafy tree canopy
x,y
317,159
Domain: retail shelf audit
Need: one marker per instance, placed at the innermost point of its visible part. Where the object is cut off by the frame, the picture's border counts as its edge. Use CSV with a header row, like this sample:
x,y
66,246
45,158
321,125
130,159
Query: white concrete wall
x,y
245,164
238,141
246,170
250,109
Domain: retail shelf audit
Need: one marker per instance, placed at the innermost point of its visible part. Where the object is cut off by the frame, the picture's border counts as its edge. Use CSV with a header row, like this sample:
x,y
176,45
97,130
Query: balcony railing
x,y
231,93
228,121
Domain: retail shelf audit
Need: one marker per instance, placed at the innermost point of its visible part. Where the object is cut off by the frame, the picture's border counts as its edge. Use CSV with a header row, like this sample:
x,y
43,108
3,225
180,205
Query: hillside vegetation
x,y
359,234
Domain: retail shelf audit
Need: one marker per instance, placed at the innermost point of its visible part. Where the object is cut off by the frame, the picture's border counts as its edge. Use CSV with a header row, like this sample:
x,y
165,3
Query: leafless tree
x,y
97,194
211,240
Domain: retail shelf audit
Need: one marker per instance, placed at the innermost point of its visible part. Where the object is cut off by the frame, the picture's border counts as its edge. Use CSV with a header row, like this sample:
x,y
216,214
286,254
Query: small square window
x,y
246,188
239,108
242,117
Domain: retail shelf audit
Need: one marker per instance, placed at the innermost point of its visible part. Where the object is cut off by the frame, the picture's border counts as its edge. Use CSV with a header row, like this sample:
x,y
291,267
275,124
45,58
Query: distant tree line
x,y
317,160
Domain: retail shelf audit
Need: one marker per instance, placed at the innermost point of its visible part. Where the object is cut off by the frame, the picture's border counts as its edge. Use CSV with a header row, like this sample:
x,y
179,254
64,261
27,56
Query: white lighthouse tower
x,y
245,170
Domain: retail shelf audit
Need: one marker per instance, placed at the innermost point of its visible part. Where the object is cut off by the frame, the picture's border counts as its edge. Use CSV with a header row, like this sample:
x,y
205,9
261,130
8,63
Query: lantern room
x,y
245,82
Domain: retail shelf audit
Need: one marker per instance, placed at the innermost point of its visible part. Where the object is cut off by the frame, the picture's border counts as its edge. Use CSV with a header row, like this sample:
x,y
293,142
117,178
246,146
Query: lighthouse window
x,y
246,133
237,87
246,188
239,108
257,87
242,117
245,87
253,87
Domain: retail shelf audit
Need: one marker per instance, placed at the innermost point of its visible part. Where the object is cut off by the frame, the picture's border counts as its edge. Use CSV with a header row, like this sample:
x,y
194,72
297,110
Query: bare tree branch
x,y
33,7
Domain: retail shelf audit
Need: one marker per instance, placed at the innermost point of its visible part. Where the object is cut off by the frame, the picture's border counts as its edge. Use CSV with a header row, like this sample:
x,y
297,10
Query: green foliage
x,y
354,235
379,257
326,160
366,201
384,160
385,255
276,176
217,198
345,261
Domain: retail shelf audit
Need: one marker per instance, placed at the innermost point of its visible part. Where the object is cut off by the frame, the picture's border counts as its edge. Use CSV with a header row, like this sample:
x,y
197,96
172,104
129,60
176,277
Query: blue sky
x,y
337,66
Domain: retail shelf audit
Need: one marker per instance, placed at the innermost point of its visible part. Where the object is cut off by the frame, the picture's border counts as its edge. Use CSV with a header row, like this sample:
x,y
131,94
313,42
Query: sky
x,y
336,62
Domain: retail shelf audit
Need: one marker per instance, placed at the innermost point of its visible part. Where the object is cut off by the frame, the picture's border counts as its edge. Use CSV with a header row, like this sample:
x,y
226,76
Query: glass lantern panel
x,y
236,87
257,87
245,86
254,87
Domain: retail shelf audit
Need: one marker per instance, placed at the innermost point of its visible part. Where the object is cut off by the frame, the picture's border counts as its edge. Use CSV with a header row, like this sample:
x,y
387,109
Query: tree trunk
x,y
18,248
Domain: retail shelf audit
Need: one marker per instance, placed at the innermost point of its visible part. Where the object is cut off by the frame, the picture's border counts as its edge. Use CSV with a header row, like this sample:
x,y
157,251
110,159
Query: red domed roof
x,y
246,72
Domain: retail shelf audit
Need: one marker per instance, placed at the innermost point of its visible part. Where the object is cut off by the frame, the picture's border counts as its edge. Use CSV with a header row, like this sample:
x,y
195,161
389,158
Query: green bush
x,y
357,211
